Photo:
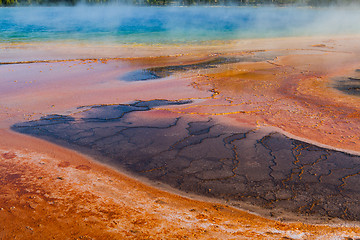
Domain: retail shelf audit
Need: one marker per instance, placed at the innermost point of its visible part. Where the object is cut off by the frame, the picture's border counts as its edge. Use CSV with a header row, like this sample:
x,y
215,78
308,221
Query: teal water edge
x,y
124,24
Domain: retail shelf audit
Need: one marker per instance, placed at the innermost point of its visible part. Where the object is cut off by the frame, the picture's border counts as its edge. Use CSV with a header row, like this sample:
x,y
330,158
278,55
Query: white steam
x,y
169,24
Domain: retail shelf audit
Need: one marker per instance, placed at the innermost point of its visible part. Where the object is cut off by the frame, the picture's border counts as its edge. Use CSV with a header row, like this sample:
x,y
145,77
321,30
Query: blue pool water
x,y
123,24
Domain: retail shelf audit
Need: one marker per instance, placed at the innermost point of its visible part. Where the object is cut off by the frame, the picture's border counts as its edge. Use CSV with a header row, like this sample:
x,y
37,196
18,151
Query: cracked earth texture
x,y
206,157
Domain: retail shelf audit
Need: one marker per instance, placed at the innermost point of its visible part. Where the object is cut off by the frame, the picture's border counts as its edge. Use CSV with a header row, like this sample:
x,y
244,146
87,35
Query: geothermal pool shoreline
x,y
260,103
82,50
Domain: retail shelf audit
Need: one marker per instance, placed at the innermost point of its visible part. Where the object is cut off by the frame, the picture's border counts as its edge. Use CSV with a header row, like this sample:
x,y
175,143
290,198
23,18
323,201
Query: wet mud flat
x,y
204,156
166,71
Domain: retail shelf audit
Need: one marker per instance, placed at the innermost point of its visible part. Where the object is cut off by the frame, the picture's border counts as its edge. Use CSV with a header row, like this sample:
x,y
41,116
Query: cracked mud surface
x,y
203,156
50,192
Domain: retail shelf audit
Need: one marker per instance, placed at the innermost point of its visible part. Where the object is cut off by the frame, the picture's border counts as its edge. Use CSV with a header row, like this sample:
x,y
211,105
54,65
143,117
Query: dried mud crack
x,y
203,156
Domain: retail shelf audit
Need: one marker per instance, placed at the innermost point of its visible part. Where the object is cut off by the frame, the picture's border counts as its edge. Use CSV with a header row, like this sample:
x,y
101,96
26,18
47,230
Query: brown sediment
x,y
292,92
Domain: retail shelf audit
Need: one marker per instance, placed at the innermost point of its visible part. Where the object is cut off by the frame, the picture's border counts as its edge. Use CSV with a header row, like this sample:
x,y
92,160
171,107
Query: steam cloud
x,y
128,24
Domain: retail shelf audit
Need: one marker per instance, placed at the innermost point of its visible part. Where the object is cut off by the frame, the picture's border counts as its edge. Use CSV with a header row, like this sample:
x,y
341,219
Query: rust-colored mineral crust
x,y
50,192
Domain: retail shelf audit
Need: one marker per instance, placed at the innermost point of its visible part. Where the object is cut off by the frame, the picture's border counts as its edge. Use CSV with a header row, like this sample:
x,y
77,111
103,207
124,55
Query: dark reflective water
x,y
162,72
